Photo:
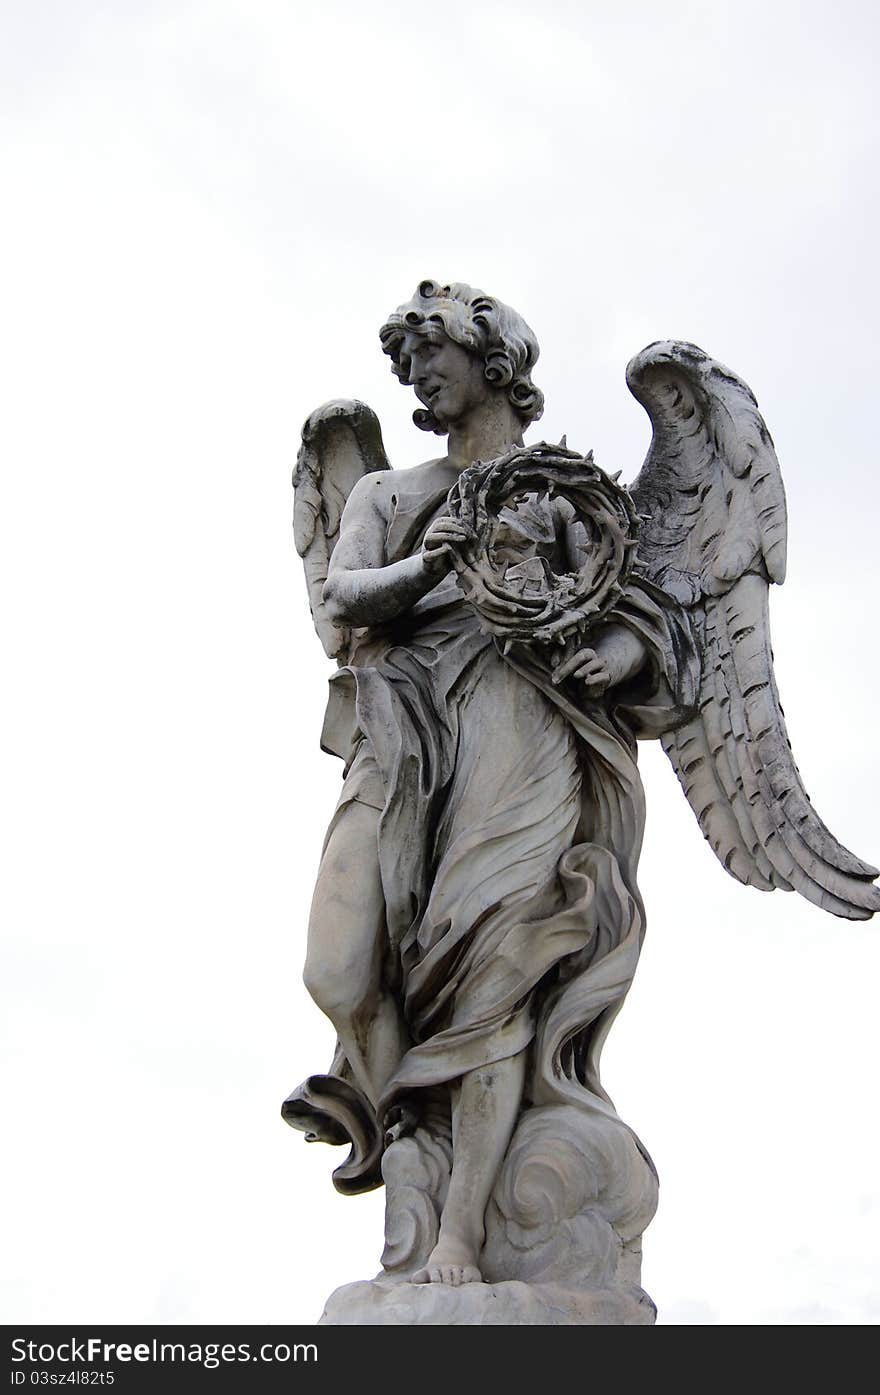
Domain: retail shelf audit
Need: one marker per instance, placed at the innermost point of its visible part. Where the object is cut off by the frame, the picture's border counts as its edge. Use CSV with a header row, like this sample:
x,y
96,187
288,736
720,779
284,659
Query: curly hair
x,y
477,322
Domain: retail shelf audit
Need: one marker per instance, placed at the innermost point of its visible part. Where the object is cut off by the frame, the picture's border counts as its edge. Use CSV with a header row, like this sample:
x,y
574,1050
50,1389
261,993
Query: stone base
x,y
384,1302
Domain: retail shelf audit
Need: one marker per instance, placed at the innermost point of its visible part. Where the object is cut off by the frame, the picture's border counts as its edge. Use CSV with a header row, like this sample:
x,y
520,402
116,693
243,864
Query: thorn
x,y
563,443
615,477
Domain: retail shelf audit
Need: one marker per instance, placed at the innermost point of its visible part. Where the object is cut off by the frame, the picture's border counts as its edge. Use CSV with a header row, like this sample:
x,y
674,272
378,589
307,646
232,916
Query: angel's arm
x,y
361,587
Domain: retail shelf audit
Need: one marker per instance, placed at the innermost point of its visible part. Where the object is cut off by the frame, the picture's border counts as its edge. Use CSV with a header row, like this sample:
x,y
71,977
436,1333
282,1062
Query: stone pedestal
x,y
509,1304
563,1230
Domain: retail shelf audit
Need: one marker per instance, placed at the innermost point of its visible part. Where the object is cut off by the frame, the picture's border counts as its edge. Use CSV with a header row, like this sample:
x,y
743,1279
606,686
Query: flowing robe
x,y
511,822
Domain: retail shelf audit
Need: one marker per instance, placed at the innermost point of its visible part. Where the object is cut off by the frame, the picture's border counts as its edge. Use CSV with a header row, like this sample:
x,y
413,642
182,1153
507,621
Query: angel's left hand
x,y
591,667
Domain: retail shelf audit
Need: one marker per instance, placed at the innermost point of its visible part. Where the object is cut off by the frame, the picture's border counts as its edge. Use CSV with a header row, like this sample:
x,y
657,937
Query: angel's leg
x,y
485,1106
343,971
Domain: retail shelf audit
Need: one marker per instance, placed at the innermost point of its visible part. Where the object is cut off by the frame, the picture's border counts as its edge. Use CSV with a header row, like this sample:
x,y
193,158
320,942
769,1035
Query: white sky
x,y
210,209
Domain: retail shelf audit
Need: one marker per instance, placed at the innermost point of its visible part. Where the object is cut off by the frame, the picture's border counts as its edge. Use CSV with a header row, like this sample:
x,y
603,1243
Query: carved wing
x,y
341,441
713,536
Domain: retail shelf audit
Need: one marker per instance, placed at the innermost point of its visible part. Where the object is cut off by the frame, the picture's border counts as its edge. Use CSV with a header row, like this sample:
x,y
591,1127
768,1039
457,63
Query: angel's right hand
x,y
446,545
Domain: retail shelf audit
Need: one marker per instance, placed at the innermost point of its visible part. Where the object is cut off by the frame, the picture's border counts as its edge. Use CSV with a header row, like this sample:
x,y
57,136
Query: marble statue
x,y
508,622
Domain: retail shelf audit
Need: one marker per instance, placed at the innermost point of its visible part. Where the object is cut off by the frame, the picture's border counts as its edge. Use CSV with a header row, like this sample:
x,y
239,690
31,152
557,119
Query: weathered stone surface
x,y
486,1305
508,621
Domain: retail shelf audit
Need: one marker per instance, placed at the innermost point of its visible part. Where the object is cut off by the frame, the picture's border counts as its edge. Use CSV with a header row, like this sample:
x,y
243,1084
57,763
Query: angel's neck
x,y
485,433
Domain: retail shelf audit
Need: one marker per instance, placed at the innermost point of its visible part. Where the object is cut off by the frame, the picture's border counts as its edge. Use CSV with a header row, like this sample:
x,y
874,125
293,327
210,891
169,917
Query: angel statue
x,y
508,622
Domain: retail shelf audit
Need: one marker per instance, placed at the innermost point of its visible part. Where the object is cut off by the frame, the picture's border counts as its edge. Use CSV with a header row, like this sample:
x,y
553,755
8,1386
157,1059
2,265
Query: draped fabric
x,y
511,824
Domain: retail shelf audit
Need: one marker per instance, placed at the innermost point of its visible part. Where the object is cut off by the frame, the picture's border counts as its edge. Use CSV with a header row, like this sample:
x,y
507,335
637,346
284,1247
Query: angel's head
x,y
454,346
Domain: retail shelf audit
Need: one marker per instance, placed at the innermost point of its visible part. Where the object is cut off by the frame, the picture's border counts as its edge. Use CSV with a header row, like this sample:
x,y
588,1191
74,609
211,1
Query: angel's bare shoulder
x,y
375,494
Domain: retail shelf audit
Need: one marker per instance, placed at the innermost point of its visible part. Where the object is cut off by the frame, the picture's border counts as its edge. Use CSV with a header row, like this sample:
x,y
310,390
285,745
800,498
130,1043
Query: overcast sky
x,y
210,209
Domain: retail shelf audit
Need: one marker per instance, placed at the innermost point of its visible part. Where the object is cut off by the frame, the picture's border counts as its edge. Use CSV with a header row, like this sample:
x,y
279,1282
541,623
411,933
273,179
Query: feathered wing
x,y
341,442
713,536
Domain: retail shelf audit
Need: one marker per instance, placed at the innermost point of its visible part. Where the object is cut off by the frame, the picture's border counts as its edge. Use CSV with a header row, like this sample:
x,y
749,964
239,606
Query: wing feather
x,y
724,712
713,536
341,442
768,771
688,750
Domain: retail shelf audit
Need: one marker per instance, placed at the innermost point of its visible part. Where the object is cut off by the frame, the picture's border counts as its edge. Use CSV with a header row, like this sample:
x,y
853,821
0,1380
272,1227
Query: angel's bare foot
x,y
453,1262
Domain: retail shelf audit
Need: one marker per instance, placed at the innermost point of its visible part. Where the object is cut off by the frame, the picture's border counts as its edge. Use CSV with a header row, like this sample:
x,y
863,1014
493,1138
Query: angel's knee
x,y
340,986
343,963
347,922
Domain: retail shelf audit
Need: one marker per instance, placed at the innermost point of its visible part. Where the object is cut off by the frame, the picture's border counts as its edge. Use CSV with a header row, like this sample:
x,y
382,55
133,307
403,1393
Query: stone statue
x,y
508,622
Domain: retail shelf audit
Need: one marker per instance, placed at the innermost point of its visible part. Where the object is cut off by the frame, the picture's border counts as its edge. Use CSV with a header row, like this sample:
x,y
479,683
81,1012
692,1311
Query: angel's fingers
x,y
595,662
453,527
592,672
435,541
570,666
437,557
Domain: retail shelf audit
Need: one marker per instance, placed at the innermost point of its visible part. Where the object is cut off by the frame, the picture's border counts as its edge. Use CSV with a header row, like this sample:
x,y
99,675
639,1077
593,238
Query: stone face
x,y
508,621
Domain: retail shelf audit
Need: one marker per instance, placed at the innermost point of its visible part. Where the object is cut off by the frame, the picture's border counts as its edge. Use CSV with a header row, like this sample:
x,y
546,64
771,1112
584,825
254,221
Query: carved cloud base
x,y
563,1229
512,1303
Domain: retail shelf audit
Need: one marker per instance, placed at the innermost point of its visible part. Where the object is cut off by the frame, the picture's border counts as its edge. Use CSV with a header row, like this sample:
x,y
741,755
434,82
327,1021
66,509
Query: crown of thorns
x,y
551,607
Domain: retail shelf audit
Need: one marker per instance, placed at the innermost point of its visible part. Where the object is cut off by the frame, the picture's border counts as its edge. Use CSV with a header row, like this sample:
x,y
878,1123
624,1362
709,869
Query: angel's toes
x,y
451,1275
